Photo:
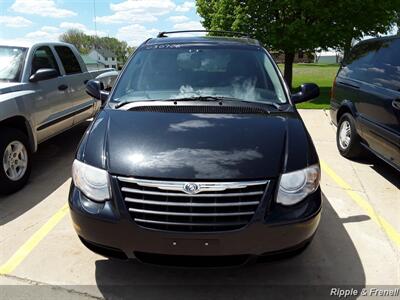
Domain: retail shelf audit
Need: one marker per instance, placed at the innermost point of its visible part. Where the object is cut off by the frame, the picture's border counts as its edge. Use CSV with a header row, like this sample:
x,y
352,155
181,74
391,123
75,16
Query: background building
x,y
92,64
105,57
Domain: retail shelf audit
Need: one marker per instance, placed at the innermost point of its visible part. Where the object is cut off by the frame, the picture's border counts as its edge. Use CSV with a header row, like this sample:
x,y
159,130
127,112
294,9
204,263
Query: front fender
x,y
16,105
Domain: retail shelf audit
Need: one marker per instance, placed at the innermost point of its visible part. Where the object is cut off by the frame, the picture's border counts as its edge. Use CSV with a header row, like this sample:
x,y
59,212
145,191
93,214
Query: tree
x,y
84,43
300,25
77,38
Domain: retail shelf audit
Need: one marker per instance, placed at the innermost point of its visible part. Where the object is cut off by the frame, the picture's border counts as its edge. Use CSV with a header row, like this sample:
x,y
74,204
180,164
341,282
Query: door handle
x,y
62,87
396,104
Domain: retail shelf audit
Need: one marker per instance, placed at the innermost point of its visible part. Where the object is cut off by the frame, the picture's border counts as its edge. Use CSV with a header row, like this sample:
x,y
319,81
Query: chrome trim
x,y
136,191
168,203
170,213
190,224
203,186
193,204
134,104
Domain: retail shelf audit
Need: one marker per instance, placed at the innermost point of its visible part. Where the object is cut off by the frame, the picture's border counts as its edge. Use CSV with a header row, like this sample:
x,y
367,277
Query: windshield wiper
x,y
222,98
122,103
202,98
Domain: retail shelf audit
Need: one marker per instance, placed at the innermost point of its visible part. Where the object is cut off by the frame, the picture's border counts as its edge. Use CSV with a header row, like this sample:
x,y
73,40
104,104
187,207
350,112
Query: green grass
x,y
321,74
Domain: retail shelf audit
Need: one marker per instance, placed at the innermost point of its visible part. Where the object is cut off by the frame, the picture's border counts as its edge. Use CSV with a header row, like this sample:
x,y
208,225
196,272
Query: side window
x,y
358,62
375,62
69,60
386,65
44,59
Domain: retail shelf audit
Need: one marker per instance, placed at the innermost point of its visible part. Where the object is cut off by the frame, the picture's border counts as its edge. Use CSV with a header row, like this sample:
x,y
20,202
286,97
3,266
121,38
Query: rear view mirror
x,y
95,89
43,74
308,91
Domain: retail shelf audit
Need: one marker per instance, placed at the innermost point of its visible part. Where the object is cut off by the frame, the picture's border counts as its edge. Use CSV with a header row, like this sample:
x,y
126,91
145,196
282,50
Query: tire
x,y
347,139
15,160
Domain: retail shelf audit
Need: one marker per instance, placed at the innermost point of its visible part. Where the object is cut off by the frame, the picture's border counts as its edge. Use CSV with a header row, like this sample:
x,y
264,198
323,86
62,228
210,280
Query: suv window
x,y
375,62
44,59
69,60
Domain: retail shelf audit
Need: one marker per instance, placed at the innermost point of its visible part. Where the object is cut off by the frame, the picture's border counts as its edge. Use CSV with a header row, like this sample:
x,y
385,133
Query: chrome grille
x,y
215,206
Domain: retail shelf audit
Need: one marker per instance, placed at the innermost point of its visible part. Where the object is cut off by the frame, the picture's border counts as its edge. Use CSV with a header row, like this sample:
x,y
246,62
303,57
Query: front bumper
x,y
273,229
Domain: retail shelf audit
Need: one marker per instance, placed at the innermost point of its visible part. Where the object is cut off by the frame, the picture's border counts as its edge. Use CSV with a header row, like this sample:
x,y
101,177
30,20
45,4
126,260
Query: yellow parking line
x,y
35,239
364,204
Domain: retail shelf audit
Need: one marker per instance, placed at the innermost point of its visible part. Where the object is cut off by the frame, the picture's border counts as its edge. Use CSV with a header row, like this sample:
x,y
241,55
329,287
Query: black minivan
x,y
366,100
199,151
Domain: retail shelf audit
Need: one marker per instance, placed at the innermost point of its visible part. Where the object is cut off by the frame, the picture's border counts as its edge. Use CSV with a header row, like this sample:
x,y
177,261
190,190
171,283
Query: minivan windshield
x,y
165,72
11,63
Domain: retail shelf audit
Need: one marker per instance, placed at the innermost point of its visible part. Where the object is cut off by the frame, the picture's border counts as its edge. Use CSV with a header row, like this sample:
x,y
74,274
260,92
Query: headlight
x,y
94,183
295,186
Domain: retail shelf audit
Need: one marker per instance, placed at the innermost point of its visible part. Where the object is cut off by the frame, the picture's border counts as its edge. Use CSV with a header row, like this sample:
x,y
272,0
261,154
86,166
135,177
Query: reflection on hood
x,y
187,125
204,162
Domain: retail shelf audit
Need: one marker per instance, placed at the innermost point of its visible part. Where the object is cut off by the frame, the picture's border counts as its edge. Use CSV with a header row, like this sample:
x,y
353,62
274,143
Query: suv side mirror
x,y
43,74
307,92
95,89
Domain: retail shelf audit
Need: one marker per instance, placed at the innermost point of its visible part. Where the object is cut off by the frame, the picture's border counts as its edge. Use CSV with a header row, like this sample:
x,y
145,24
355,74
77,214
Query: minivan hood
x,y
186,146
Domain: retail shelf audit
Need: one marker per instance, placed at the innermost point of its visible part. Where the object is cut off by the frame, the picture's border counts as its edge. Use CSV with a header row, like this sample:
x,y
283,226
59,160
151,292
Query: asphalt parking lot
x,y
357,244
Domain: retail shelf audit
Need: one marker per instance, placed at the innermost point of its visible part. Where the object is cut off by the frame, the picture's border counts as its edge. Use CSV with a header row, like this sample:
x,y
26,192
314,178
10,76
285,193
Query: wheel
x,y
347,139
16,160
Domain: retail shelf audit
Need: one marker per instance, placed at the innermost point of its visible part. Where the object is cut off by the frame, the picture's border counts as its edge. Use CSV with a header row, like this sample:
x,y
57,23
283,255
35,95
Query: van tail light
x,y
333,89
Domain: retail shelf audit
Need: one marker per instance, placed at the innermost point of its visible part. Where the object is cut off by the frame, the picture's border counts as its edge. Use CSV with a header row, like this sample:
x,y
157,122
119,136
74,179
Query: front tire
x,y
347,139
15,163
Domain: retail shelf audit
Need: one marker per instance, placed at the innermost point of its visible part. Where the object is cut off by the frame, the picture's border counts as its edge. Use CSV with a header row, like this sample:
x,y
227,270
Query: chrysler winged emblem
x,y
191,188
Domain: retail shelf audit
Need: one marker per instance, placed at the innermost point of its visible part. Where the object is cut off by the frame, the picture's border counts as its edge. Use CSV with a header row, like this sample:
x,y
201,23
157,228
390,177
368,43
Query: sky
x,y
130,20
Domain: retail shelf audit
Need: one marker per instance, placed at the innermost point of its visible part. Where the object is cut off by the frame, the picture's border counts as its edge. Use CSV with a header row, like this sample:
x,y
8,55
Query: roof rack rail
x,y
241,34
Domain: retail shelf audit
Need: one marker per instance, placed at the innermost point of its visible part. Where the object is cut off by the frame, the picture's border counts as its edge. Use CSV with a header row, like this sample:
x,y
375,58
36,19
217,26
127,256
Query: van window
x,y
385,71
376,62
69,60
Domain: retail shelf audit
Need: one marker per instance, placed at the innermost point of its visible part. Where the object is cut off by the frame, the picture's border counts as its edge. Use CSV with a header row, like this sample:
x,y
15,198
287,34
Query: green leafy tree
x,y
84,43
300,25
77,38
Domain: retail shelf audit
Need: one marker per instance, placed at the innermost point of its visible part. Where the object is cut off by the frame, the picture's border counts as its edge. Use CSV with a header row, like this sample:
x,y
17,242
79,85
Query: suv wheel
x,y
15,165
347,138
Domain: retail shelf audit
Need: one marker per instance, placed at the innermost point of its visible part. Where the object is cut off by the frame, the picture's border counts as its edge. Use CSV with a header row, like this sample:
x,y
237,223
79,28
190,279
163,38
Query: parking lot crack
x,y
28,281
334,186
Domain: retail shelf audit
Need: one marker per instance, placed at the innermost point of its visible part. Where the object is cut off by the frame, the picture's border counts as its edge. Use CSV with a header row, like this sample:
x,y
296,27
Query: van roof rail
x,y
164,34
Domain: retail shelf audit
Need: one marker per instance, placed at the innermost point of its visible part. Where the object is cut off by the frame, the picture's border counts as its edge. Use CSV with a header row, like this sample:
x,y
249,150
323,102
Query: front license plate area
x,y
193,246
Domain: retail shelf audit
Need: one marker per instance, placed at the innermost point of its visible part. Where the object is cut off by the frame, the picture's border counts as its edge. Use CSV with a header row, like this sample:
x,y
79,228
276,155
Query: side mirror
x,y
43,74
95,89
307,92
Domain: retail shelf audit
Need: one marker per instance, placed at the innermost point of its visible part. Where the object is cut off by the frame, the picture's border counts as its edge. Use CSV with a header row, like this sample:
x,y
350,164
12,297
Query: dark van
x,y
366,100
198,152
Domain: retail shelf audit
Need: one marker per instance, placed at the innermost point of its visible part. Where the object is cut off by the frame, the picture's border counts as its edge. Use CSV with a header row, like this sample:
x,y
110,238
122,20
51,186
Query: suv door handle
x,y
396,104
62,87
